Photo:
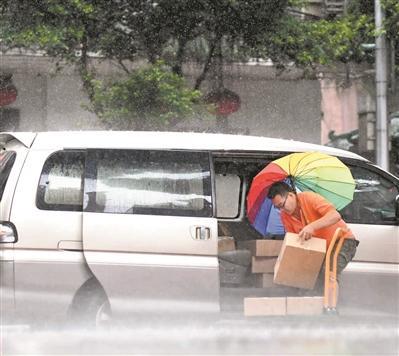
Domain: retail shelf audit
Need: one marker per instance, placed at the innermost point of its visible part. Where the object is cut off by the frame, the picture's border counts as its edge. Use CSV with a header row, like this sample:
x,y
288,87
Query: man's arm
x,y
330,218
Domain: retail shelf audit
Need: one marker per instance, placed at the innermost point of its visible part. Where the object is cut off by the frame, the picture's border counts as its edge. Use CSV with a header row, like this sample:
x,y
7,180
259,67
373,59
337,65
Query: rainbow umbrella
x,y
306,171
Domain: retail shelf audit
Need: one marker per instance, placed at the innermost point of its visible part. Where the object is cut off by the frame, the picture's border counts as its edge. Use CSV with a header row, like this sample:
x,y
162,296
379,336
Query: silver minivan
x,y
126,223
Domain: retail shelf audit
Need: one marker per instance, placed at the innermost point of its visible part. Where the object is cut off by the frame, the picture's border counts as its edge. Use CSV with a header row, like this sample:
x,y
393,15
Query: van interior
x,y
233,177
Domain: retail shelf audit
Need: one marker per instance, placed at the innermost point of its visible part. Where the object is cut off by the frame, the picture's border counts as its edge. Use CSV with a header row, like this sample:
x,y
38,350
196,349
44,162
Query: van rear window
x,y
7,159
61,182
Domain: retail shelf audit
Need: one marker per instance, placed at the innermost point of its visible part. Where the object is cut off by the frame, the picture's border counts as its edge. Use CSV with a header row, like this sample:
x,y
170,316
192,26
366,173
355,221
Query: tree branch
x,y
207,65
120,62
84,69
177,68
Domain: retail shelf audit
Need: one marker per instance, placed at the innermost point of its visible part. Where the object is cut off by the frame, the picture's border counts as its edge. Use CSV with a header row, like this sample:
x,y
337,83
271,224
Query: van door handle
x,y
202,233
70,245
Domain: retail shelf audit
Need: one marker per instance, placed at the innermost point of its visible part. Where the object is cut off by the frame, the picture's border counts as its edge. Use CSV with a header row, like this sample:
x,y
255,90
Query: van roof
x,y
176,140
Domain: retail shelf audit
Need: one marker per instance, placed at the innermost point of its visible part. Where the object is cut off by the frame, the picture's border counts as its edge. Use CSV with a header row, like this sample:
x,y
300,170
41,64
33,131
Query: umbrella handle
x,y
330,276
291,179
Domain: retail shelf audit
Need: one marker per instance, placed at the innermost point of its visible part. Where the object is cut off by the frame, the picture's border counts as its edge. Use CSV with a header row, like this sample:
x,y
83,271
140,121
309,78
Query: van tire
x,y
90,306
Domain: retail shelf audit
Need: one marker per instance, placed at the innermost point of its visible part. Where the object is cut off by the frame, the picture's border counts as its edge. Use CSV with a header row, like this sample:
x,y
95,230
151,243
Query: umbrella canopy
x,y
307,171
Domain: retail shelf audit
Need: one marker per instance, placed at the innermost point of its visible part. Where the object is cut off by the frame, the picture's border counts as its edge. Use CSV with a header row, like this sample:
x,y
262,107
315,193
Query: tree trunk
x,y
208,63
85,74
178,67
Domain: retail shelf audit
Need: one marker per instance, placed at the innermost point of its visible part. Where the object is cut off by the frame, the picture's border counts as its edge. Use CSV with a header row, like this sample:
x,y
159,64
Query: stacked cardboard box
x,y
226,243
298,265
264,257
265,306
304,305
262,248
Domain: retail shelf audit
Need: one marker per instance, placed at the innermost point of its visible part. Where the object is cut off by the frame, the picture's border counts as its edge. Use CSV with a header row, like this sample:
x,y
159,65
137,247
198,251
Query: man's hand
x,y
328,219
306,233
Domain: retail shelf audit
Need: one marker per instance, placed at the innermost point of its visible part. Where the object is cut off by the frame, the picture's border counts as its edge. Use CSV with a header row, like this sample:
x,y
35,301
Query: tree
x,y
322,42
149,97
124,30
224,30
391,23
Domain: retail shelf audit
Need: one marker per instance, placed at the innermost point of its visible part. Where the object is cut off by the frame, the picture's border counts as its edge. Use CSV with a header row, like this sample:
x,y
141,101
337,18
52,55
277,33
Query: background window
x,y
61,182
374,199
149,182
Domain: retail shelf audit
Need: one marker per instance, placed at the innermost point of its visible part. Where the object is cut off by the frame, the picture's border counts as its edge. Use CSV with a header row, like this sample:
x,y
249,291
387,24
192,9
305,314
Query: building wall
x,y
49,103
340,108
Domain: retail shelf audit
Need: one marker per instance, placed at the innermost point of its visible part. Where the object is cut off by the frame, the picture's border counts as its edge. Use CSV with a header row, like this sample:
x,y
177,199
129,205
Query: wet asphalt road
x,y
231,334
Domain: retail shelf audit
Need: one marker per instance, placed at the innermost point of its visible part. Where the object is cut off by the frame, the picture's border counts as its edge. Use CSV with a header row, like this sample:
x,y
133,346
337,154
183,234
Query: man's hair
x,y
279,188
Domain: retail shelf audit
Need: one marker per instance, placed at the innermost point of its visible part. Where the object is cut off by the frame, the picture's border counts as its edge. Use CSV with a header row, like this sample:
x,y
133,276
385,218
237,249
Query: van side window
x,y
374,198
61,182
148,182
7,159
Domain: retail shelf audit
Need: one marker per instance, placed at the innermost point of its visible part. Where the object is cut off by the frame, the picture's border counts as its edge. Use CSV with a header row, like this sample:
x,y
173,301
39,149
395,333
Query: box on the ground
x,y
226,243
304,305
299,264
265,248
264,280
263,306
263,264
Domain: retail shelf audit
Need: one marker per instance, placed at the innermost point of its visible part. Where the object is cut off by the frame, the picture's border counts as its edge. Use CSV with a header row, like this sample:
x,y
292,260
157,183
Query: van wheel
x,y
90,306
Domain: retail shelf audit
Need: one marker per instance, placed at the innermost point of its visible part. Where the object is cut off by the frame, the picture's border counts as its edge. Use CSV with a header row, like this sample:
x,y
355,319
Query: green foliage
x,y
360,7
60,28
124,29
391,24
391,8
149,97
306,43
177,31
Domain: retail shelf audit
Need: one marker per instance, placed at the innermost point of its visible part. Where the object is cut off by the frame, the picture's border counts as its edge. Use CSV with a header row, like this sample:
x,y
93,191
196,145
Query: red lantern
x,y
8,91
8,95
225,102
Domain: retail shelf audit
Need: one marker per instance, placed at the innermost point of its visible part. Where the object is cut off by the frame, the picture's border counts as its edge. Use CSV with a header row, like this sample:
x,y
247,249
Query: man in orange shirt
x,y
309,214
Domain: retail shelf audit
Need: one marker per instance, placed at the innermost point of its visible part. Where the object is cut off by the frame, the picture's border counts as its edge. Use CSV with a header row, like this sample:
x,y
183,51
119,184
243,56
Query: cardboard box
x,y
264,306
265,248
304,305
264,280
298,265
226,243
263,264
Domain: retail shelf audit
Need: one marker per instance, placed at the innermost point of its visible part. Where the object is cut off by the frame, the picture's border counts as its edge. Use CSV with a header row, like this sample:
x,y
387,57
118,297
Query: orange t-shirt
x,y
313,206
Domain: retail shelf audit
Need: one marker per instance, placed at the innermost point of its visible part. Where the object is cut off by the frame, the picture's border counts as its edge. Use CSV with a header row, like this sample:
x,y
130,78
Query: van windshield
x,y
7,159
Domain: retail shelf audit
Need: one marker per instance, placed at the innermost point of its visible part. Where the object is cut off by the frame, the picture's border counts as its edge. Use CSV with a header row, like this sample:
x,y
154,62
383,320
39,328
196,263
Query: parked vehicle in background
x,y
129,222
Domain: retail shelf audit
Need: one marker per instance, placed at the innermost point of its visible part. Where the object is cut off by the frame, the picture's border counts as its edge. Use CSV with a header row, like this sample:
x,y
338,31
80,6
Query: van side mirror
x,y
8,232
